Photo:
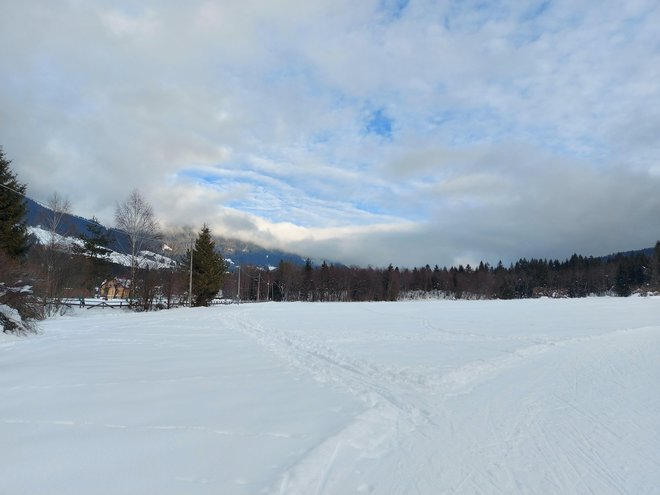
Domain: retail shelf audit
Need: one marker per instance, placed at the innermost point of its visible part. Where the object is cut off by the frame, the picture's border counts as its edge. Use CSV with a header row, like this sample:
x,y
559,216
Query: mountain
x,y
236,252
73,226
646,252
245,253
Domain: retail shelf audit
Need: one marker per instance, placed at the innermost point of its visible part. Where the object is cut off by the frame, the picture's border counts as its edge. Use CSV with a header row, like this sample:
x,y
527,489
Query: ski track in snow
x,y
403,412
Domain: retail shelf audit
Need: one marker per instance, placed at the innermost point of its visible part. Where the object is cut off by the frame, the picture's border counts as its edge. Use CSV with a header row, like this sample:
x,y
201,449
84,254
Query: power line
x,y
44,205
15,191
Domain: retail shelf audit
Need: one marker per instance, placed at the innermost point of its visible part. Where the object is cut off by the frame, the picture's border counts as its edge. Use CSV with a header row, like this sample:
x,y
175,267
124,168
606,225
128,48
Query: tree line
x,y
577,276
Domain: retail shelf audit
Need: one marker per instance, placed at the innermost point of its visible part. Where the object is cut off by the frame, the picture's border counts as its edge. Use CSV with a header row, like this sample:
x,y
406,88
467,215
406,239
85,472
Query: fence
x,y
92,302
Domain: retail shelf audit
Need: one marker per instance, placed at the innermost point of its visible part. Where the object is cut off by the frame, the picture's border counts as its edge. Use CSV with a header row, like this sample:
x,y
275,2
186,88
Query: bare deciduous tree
x,y
136,218
56,259
59,207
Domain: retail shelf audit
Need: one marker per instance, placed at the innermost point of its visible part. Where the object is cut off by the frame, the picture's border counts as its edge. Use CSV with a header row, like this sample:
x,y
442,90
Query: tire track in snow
x,y
465,378
398,402
573,456
397,415
392,413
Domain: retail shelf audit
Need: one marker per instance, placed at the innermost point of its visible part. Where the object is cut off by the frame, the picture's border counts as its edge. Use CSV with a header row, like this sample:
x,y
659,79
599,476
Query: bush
x,y
12,321
18,307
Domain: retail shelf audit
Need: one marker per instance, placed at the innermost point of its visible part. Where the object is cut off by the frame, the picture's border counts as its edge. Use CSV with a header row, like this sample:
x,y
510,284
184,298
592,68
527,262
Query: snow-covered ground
x,y
462,397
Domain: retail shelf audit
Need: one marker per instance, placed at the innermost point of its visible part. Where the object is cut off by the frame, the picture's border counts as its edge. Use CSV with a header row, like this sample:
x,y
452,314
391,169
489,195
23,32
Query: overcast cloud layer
x,y
365,132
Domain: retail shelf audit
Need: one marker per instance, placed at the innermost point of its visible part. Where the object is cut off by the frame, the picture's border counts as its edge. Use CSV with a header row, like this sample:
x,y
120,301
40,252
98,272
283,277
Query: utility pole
x,y
238,293
258,286
190,281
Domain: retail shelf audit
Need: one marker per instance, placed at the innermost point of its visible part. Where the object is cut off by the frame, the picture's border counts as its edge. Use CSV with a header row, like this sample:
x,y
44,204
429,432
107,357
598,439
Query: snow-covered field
x,y
460,397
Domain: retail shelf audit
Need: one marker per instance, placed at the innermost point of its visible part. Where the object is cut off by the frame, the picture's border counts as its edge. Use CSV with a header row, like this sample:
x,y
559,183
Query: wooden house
x,y
115,288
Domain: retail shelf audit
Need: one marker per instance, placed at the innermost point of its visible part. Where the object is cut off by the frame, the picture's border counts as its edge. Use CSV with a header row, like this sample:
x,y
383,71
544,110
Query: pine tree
x,y
13,231
655,263
622,280
95,245
13,245
94,250
208,269
390,283
308,281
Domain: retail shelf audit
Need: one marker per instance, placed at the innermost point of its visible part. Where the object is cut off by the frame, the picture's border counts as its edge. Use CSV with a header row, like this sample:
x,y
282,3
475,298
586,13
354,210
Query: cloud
x,y
370,132
123,24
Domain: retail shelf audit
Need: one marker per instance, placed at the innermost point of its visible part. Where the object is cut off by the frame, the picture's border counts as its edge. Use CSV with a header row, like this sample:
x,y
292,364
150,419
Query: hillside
x,y
145,259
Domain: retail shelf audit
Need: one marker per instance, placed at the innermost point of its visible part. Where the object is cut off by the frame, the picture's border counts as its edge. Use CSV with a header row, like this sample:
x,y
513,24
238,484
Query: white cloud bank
x,y
363,132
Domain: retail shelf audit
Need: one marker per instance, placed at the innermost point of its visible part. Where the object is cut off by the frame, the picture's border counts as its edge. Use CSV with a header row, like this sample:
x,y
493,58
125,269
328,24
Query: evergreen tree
x,y
13,231
622,280
94,251
208,269
655,263
308,281
391,283
95,245
632,272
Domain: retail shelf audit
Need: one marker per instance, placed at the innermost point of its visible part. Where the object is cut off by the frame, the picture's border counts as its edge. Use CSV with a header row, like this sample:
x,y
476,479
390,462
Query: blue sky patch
x,y
394,9
198,175
379,124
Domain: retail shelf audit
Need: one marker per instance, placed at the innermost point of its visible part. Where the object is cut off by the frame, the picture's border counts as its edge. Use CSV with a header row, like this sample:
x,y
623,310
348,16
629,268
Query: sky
x,y
364,132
